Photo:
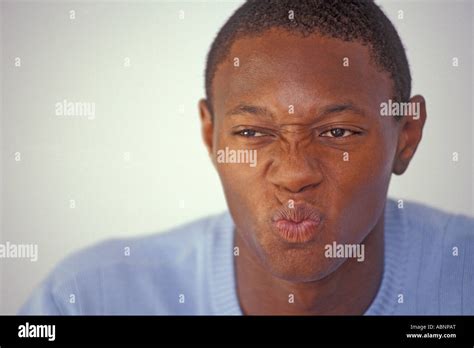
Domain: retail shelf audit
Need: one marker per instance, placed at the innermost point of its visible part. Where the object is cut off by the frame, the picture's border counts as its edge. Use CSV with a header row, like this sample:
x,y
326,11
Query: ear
x,y
207,125
410,134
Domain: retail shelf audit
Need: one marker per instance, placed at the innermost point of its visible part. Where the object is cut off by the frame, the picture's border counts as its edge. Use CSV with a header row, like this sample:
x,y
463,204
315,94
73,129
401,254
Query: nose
x,y
295,171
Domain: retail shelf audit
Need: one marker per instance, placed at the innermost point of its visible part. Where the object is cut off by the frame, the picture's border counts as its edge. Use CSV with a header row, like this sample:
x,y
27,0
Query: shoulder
x,y
440,258
104,277
154,249
437,225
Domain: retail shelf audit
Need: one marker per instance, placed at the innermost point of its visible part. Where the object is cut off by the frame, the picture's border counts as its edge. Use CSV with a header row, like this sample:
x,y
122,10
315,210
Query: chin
x,y
301,268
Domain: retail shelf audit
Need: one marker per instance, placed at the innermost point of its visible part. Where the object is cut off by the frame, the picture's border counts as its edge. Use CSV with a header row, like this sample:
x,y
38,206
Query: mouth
x,y
298,224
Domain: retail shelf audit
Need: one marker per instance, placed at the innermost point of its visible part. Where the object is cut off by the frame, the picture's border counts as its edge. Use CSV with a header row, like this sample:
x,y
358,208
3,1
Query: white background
x,y
150,110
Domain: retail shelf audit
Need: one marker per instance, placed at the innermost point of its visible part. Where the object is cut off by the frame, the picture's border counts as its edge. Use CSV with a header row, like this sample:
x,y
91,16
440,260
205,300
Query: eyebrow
x,y
250,109
263,111
337,108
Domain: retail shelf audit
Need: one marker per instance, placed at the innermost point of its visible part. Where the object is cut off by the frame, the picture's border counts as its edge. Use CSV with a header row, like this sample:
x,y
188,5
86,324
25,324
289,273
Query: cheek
x,y
361,189
245,204
240,186
241,181
238,167
368,172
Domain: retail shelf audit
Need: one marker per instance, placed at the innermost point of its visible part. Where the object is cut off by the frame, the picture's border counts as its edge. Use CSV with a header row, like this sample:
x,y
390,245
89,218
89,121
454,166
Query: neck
x,y
349,290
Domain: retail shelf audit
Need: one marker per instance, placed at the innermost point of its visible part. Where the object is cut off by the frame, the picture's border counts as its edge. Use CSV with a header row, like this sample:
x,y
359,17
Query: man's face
x,y
313,118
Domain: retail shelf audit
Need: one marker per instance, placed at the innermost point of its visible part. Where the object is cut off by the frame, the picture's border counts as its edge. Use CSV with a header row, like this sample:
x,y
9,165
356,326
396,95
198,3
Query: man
x,y
308,114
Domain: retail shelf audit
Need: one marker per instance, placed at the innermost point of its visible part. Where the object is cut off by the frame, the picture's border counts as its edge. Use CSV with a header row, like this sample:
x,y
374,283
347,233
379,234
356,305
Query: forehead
x,y
284,69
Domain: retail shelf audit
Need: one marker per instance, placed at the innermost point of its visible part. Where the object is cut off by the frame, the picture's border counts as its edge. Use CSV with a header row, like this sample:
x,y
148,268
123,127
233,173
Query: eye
x,y
338,133
250,133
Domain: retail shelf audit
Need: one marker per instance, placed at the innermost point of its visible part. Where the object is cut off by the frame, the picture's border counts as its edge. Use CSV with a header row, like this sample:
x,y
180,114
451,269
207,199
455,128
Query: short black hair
x,y
349,20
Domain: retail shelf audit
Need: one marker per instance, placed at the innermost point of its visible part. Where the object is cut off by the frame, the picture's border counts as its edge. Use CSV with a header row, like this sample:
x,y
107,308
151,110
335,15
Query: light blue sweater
x,y
428,269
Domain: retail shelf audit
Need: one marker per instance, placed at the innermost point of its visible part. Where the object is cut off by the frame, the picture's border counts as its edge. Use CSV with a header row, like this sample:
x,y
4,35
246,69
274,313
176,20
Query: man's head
x,y
301,84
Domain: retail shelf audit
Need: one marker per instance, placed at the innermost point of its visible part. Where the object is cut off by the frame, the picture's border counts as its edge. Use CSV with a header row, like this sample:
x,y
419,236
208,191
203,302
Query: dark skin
x,y
345,173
